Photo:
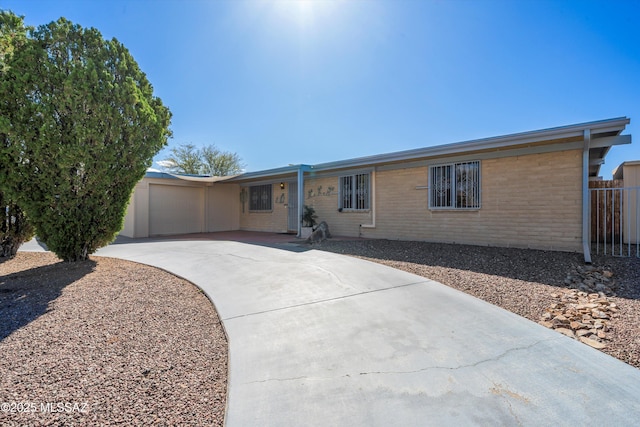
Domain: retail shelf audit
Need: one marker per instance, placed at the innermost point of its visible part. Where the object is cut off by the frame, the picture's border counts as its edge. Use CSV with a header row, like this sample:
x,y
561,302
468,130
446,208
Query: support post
x,y
585,198
301,171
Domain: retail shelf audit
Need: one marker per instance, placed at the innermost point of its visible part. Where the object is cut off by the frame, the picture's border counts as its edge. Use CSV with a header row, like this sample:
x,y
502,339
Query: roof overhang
x,y
286,172
604,135
599,148
206,179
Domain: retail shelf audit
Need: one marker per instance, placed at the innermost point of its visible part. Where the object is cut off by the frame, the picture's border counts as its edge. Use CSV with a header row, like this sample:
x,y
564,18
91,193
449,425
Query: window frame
x,y
354,205
453,196
260,205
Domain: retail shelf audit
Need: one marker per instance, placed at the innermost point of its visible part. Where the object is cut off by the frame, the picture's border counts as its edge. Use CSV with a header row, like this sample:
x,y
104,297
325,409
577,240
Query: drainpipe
x,y
373,204
585,197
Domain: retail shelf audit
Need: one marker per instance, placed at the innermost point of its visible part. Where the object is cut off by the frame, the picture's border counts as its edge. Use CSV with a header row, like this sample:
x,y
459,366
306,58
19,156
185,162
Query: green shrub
x,y
309,216
79,126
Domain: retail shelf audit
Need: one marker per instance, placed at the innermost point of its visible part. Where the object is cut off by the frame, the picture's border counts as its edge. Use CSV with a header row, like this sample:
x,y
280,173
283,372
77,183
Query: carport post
x,y
301,171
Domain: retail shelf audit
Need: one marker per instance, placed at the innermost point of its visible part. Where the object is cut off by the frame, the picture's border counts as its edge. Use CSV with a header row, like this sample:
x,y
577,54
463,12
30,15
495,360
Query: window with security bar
x,y
260,197
354,192
455,186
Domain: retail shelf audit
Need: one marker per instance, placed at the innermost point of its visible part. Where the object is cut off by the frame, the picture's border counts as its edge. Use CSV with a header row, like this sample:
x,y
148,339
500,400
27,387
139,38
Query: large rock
x,y
320,233
595,344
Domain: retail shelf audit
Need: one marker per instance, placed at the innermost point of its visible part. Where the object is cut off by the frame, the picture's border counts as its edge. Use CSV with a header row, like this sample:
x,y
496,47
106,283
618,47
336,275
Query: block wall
x,y
531,201
274,221
322,195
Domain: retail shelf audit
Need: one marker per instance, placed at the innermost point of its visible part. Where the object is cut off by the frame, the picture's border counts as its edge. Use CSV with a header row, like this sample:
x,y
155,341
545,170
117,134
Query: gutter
x,y
585,197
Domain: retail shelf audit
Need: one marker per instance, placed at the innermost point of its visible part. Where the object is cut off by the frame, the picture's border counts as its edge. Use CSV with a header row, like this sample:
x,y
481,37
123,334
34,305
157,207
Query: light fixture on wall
x,y
282,185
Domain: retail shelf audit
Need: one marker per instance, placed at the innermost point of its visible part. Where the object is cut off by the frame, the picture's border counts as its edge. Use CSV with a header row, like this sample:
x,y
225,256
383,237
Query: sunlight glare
x,y
306,14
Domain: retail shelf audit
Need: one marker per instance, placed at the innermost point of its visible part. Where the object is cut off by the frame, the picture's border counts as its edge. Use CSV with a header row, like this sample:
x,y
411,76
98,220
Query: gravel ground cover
x,y
107,342
110,342
523,281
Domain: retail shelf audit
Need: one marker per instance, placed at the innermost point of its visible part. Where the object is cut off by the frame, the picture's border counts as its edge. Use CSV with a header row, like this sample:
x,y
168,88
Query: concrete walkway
x,y
328,340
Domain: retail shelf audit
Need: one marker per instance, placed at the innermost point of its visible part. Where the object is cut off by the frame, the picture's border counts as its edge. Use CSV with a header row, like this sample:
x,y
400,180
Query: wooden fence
x,y
615,218
606,210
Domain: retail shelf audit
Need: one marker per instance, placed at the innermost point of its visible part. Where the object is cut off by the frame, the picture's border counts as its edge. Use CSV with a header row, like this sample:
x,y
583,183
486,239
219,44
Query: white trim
x,y
354,181
372,200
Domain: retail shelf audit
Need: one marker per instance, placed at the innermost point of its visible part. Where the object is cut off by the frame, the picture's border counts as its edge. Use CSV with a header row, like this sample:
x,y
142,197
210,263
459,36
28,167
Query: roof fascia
x,y
268,173
158,175
206,179
511,152
508,143
499,142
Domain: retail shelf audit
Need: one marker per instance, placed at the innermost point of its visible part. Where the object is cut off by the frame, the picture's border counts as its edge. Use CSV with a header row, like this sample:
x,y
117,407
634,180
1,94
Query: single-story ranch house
x,y
525,190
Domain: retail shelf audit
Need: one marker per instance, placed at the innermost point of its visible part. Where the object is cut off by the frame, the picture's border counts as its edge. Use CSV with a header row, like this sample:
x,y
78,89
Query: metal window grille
x,y
260,197
455,186
346,192
354,192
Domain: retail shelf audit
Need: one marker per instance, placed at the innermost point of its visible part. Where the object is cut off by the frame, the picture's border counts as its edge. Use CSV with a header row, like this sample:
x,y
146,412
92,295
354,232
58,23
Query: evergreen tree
x,y
15,228
79,127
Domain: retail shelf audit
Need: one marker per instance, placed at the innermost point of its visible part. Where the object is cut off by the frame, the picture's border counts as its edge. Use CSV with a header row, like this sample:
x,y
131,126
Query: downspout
x,y
585,197
373,204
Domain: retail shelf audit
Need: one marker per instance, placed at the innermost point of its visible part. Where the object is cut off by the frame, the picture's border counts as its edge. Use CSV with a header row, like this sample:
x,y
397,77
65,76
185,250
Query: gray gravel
x,y
518,280
107,342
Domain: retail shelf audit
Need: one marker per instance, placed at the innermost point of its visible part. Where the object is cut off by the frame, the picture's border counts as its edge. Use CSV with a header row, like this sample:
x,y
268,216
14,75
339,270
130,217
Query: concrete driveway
x,y
323,339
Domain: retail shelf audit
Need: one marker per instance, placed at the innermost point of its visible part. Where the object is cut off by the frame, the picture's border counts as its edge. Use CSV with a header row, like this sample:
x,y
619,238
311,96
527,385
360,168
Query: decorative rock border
x,y
591,279
584,313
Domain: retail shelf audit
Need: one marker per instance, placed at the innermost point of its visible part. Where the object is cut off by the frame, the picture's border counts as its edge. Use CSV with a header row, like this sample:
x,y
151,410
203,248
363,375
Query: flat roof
x,y
601,130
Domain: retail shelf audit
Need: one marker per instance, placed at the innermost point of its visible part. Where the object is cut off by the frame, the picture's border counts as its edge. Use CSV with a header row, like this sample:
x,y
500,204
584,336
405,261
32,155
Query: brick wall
x,y
531,201
271,221
322,195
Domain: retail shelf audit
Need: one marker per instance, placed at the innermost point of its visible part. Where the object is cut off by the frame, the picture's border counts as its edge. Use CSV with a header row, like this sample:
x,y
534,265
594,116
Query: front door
x,y
292,207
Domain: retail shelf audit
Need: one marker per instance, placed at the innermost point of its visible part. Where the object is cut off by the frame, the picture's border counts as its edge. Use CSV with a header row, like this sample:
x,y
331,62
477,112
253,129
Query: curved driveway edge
x,y
323,339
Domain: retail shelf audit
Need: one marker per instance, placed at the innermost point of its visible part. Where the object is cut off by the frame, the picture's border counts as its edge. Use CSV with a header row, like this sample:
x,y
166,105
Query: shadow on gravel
x,y
546,267
25,295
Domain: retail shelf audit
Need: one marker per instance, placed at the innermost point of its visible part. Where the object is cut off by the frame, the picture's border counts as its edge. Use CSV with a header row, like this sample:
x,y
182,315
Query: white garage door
x,y
175,209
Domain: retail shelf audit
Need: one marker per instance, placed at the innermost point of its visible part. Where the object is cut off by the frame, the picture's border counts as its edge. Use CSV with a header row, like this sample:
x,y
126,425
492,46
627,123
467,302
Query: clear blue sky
x,y
310,81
